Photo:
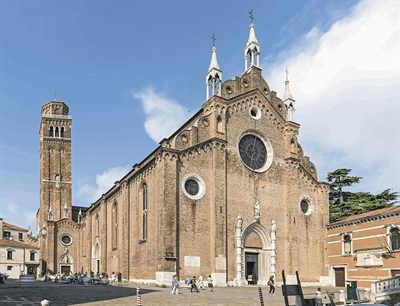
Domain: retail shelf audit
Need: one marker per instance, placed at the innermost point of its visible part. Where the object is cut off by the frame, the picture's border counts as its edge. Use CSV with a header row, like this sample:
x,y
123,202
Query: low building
x,y
19,253
364,248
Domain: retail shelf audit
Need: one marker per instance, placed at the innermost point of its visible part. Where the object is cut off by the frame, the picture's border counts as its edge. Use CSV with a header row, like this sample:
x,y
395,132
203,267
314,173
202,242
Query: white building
x,y
19,253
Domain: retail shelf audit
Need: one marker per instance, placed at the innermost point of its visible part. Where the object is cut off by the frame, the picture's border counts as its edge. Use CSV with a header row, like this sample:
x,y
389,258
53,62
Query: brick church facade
x,y
230,193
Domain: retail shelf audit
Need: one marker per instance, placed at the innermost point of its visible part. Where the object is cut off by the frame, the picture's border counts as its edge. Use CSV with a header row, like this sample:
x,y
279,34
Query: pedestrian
x,y
175,285
193,285
187,282
200,283
113,277
271,284
119,276
210,283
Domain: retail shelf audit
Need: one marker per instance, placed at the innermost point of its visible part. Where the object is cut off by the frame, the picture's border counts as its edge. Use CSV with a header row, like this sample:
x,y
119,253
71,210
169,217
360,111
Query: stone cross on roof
x,y
251,16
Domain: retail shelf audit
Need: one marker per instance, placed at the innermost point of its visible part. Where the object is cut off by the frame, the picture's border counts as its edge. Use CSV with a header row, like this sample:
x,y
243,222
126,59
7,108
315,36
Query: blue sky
x,y
132,72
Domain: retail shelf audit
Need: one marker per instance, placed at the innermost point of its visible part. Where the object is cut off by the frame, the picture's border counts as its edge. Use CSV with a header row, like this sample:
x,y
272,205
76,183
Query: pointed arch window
x,y
249,58
395,238
57,132
114,232
144,212
51,131
220,127
97,226
62,132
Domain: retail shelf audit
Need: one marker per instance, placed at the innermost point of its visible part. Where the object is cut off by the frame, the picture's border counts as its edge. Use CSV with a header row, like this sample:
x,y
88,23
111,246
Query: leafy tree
x,y
345,203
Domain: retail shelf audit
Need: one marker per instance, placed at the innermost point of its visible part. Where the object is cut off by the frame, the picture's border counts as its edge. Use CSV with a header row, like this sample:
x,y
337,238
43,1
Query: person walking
x,y
187,282
175,285
210,283
193,285
119,277
113,278
200,283
271,284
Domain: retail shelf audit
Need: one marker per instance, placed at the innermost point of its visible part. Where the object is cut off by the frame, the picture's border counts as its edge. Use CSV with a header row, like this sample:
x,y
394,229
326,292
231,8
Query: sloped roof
x,y
14,227
15,244
369,216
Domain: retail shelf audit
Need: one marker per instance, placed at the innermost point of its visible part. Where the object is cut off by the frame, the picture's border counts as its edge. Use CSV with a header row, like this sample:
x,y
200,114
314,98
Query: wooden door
x,y
340,277
65,270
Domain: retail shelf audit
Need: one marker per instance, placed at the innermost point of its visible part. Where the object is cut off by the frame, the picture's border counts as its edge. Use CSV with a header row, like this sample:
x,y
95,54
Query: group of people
x,y
117,277
192,283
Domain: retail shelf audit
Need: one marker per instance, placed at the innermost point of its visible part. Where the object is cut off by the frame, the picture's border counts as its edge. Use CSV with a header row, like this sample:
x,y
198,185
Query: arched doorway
x,y
256,250
252,247
66,264
96,256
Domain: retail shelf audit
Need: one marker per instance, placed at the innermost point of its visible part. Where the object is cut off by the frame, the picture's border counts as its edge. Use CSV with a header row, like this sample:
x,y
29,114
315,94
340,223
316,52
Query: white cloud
x,y
104,181
163,115
346,85
15,212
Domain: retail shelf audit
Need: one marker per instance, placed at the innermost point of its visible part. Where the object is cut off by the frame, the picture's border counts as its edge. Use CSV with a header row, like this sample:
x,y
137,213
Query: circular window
x,y
255,112
205,122
255,150
346,237
228,89
306,205
193,186
184,138
66,239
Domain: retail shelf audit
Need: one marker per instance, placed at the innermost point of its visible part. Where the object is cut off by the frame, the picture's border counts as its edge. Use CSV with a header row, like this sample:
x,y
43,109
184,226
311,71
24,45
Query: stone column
x,y
273,247
239,248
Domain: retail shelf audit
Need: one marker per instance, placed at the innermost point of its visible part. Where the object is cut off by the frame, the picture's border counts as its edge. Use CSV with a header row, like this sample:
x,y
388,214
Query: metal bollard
x,y
138,297
261,296
45,303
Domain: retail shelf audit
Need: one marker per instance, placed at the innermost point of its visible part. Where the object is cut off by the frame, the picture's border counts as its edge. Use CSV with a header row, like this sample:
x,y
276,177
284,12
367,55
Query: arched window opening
x,y
144,212
395,238
97,225
62,132
249,58
220,128
217,84
57,134
51,131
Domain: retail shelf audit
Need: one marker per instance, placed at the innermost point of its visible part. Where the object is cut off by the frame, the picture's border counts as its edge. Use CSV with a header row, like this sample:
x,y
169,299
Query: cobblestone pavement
x,y
14,293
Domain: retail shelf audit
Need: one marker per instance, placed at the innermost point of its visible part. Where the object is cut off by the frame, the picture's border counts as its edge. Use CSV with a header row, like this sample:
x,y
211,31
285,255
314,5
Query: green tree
x,y
344,203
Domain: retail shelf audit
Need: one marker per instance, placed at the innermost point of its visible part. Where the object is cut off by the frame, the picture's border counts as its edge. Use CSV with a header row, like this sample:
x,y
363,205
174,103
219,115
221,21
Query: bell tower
x,y
55,164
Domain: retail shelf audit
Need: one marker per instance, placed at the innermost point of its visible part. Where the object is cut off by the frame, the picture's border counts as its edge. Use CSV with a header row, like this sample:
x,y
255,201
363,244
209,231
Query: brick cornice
x,y
363,220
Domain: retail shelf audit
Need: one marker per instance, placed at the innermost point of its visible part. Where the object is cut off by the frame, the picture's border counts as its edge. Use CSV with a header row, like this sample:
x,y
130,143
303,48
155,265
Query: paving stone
x,y
14,293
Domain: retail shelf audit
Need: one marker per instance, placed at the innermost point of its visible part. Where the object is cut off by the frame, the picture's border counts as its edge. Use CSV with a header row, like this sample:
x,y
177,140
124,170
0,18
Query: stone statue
x,y
273,225
65,211
257,211
239,220
50,214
